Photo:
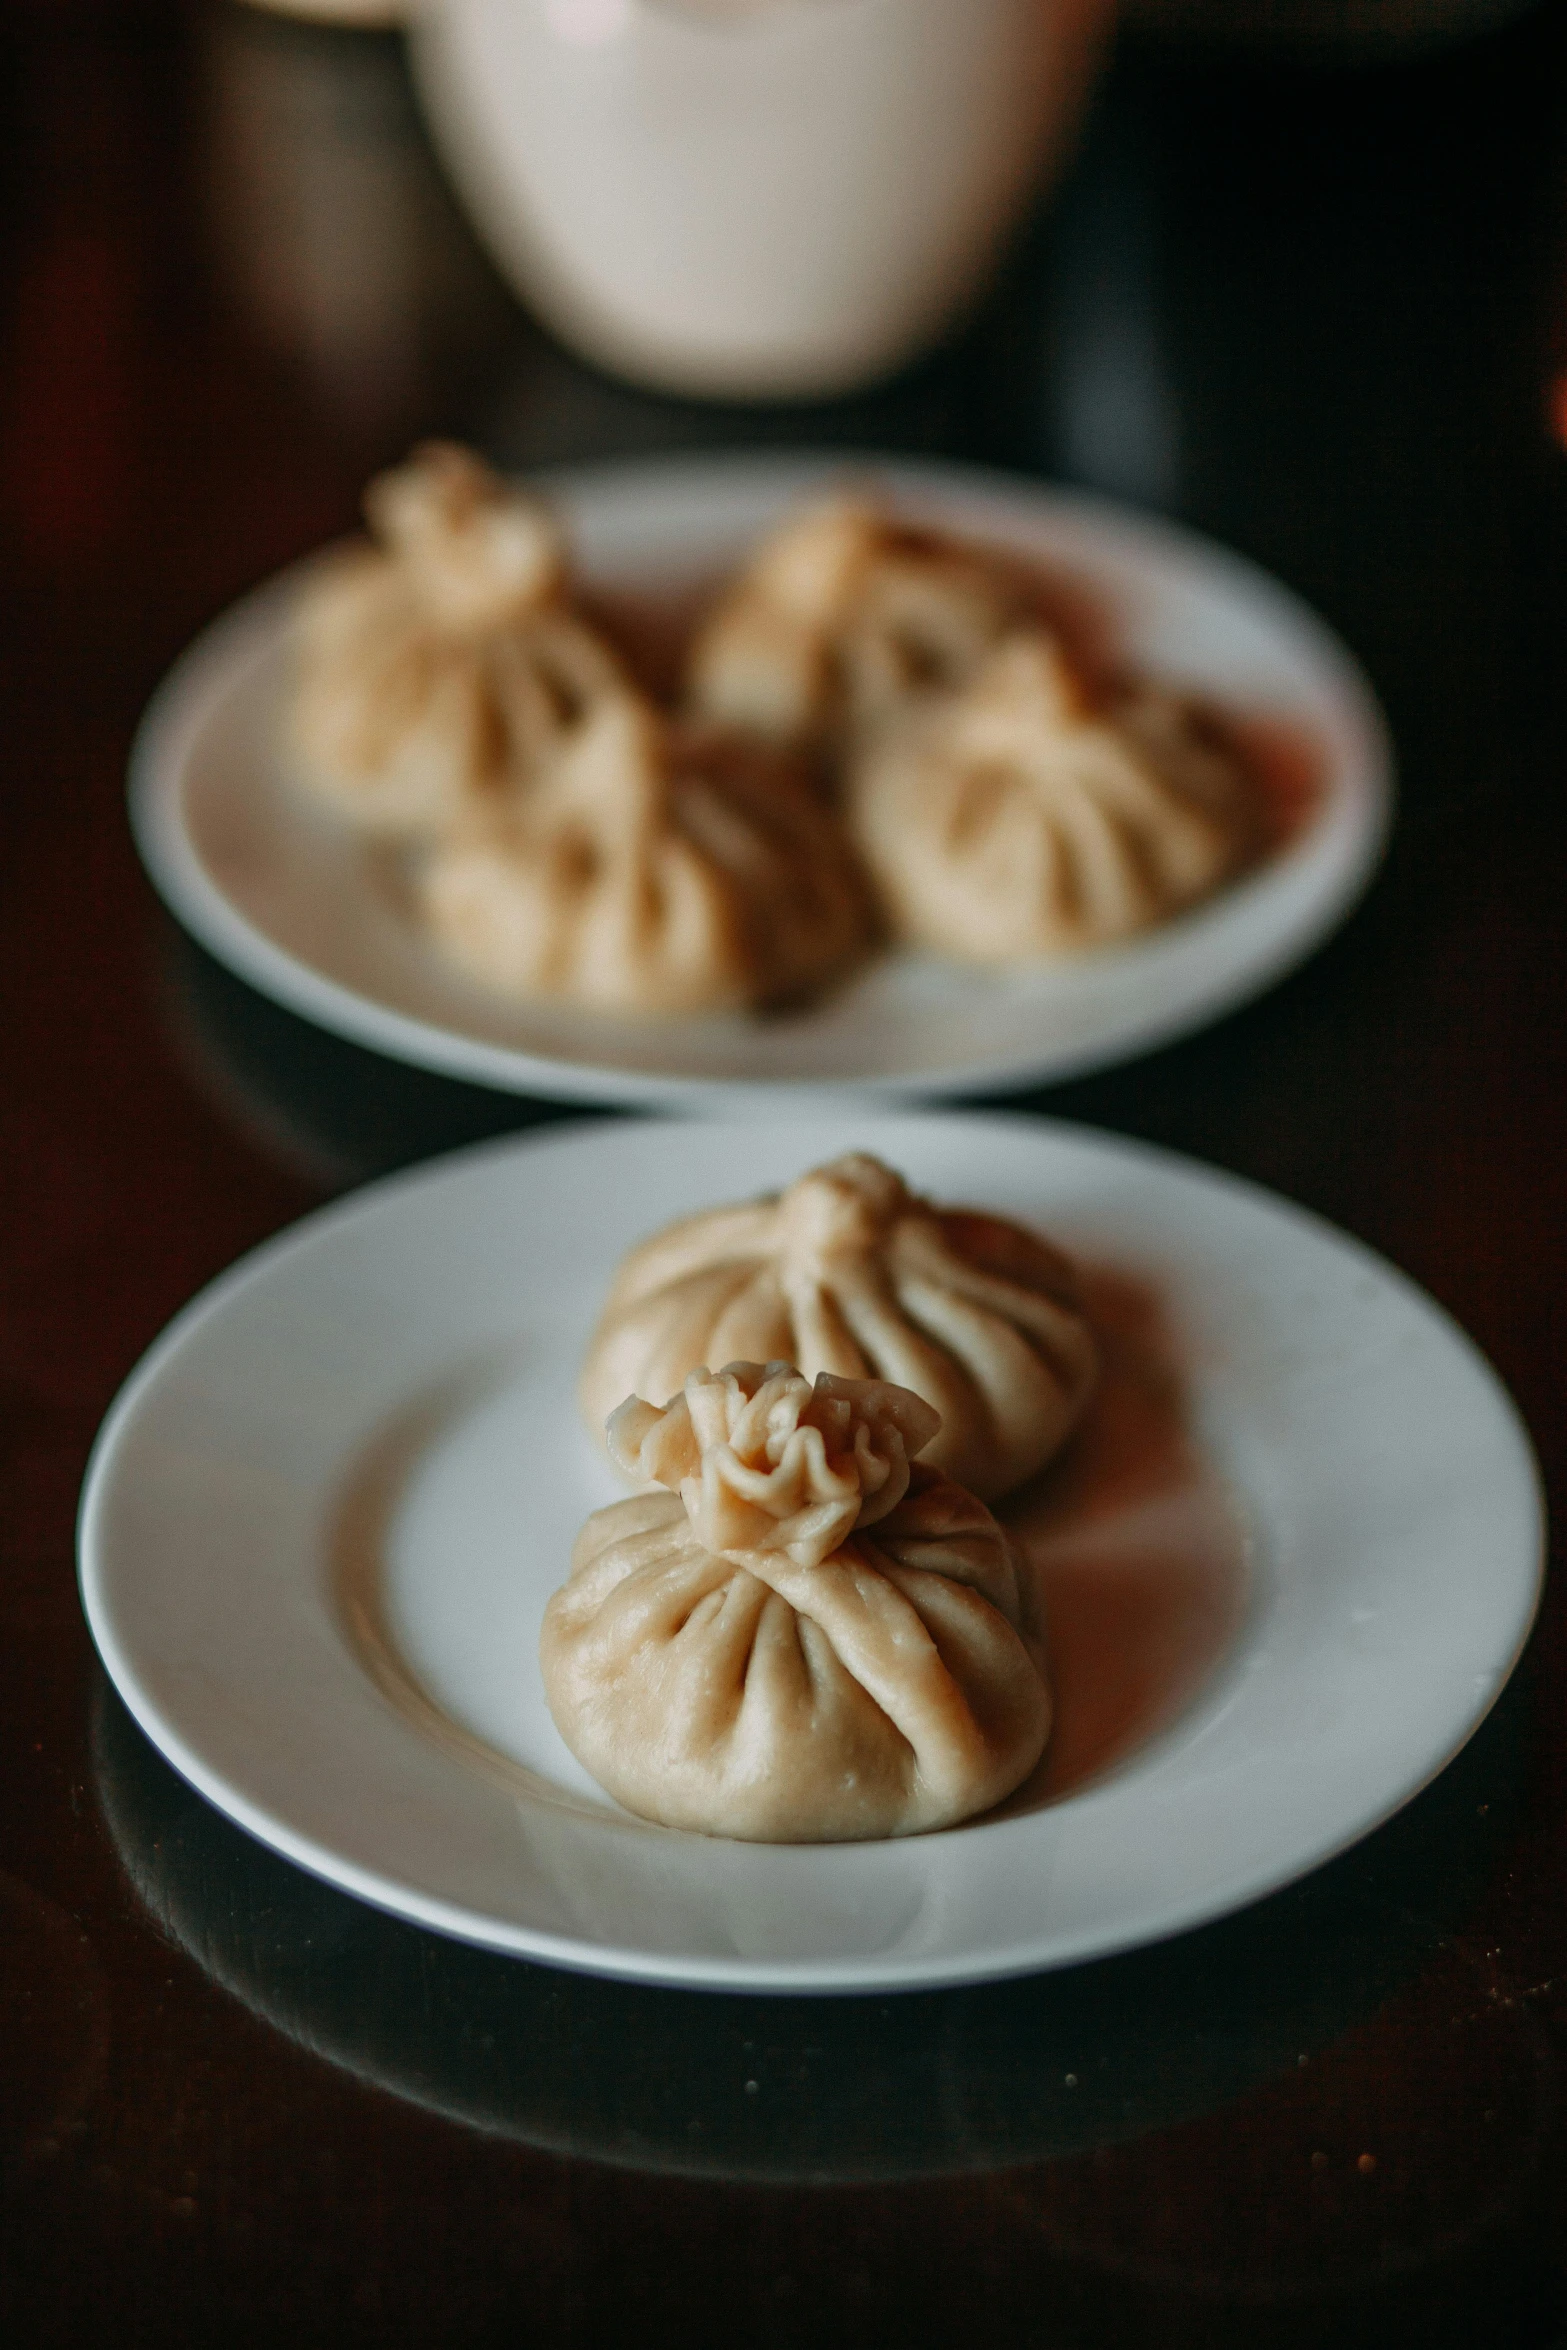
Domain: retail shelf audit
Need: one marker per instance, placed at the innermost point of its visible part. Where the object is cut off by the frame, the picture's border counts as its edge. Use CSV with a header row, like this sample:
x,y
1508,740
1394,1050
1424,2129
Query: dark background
x,y
1315,309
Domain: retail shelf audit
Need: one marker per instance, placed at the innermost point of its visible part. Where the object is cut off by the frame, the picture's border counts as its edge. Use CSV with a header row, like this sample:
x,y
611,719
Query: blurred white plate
x,y
298,906
380,1402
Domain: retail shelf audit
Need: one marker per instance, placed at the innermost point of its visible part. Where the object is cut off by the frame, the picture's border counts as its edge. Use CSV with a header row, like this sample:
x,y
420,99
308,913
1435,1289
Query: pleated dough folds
x,y
849,1272
862,1660
651,869
438,669
839,618
1013,821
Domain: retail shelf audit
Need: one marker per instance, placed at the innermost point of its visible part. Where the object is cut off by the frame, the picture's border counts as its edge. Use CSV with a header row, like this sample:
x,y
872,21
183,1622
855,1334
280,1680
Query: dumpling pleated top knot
x,y
849,1272
1013,821
841,617
653,869
807,1634
439,667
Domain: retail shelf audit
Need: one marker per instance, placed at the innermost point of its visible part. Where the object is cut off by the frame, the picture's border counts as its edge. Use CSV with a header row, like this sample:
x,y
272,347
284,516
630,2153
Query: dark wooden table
x,y
1318,313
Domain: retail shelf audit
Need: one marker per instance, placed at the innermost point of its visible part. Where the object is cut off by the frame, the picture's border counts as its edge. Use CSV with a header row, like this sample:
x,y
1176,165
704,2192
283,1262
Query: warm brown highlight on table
x,y
237,2106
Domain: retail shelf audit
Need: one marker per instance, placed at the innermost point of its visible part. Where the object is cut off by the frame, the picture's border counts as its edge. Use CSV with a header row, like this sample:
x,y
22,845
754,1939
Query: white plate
x,y
383,1397
297,906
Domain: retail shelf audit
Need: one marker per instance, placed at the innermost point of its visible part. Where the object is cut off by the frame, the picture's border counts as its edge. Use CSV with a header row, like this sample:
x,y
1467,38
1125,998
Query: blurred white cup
x,y
752,198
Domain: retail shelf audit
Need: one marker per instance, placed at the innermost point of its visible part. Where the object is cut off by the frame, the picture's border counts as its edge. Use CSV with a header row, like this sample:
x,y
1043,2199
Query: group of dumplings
x,y
873,738
808,1625
567,838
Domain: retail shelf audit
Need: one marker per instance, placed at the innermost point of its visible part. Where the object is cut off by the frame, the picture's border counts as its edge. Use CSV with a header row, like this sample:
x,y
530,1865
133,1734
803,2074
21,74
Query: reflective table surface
x,y
1316,309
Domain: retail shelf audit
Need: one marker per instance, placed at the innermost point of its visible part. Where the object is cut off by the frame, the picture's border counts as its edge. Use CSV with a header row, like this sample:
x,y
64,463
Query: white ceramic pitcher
x,y
752,198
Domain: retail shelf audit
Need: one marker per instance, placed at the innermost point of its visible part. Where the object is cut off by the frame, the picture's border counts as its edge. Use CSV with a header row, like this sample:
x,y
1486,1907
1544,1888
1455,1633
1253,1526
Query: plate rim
x,y
780,1977
179,705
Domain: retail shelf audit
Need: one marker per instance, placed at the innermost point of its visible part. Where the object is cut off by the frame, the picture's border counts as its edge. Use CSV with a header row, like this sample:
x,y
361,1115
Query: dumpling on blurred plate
x,y
437,669
1014,820
653,868
838,617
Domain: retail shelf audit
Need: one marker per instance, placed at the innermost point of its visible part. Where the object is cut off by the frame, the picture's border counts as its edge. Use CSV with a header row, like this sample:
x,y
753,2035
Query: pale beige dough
x,y
849,1272
437,669
1012,821
840,617
652,869
812,1638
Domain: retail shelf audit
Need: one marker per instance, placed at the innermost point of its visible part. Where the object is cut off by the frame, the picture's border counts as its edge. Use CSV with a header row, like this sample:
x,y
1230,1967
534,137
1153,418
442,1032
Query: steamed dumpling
x,y
1013,821
651,869
850,1272
808,1637
437,669
839,617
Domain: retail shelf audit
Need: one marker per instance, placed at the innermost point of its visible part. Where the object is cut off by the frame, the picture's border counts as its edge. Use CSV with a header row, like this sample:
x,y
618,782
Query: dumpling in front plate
x,y
841,615
653,869
849,1272
1014,821
437,669
808,1635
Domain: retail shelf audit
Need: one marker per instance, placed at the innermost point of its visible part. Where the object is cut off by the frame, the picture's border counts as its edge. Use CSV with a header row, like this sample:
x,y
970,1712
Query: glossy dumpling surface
x,y
439,667
808,1636
653,868
1013,821
851,1273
